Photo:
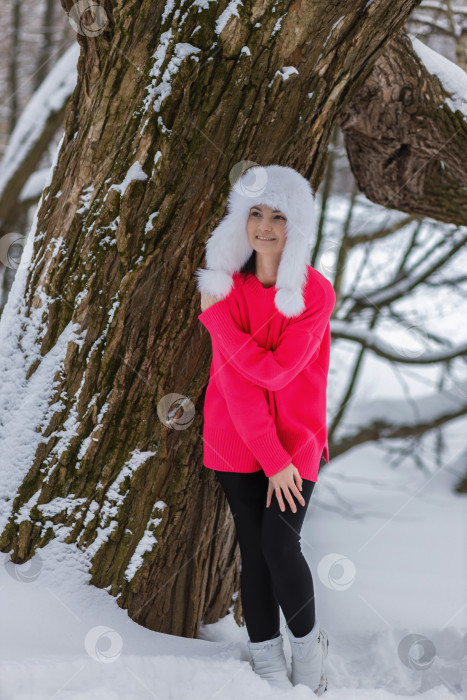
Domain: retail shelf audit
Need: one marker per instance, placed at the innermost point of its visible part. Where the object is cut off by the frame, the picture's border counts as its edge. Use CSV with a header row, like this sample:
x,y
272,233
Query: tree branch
x,y
386,419
370,339
34,130
407,281
406,138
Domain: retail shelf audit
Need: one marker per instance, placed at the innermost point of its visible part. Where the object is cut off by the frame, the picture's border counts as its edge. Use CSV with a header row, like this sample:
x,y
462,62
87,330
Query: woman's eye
x,y
278,216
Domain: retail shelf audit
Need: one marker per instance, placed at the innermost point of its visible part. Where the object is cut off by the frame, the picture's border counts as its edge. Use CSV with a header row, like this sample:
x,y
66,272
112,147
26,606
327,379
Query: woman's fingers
x,y
290,489
288,496
297,488
291,486
290,499
279,498
298,495
268,497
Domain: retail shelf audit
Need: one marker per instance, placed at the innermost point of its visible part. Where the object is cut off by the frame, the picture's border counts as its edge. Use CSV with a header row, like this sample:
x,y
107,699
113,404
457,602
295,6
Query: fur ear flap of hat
x,y
228,248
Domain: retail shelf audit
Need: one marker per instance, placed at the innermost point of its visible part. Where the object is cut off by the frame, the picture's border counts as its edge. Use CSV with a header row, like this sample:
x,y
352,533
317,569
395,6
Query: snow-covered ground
x,y
388,551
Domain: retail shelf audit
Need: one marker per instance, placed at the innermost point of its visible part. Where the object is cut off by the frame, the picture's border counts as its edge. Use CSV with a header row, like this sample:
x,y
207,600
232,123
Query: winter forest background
x,y
120,567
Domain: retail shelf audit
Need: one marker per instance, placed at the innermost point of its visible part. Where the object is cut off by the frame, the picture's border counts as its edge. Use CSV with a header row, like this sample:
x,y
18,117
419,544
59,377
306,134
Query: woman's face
x,y
264,222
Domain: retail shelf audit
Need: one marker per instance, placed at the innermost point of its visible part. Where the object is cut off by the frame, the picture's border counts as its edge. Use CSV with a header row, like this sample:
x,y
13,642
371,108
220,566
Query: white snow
x,y
452,77
145,544
388,552
34,185
158,91
114,498
278,24
202,4
285,72
332,29
85,199
135,172
149,224
24,403
169,6
50,97
229,11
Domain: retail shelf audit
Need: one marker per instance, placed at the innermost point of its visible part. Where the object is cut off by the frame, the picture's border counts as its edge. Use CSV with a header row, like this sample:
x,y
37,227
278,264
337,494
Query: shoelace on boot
x,y
300,647
268,650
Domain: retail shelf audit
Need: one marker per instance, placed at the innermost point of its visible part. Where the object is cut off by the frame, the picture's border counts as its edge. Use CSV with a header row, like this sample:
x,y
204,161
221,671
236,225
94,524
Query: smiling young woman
x,y
266,229
265,407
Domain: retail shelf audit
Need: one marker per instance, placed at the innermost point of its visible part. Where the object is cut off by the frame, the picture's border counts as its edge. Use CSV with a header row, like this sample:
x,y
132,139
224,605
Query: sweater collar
x,y
255,285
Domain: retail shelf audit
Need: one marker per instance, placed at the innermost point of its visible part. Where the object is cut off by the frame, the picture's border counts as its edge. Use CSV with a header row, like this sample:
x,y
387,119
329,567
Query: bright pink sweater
x,y
265,404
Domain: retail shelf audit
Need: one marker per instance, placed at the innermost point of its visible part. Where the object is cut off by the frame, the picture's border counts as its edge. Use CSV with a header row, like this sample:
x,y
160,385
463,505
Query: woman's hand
x,y
285,481
207,301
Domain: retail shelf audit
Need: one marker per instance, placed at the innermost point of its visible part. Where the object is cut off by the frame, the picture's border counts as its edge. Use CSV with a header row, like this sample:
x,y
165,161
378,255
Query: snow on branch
x,y
451,76
398,418
35,128
371,340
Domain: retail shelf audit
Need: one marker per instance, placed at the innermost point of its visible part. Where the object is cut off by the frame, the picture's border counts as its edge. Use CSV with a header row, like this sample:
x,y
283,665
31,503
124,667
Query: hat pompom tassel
x,y
216,283
289,302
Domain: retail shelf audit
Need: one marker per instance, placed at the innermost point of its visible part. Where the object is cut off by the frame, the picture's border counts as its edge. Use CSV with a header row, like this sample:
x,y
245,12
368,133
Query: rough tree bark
x,y
407,145
167,103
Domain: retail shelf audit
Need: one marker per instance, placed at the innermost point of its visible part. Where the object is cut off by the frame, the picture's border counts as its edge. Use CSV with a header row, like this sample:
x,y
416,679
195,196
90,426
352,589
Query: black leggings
x,y
274,571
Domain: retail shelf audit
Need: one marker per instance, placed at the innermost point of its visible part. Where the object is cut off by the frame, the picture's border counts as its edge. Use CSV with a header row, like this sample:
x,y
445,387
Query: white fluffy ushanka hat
x,y
228,247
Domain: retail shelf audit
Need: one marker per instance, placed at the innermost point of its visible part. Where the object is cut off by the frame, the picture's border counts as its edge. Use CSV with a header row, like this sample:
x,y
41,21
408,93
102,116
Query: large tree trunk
x,y
161,114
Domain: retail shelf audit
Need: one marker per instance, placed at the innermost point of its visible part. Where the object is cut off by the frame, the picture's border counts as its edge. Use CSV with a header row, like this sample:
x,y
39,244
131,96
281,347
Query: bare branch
x,y
370,339
382,420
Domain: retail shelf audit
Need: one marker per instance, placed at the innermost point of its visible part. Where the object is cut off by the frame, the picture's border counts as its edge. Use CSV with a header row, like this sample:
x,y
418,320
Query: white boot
x,y
308,654
268,661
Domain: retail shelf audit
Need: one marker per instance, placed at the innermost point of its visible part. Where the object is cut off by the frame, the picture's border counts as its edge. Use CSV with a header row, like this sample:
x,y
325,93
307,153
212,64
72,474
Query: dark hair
x,y
249,268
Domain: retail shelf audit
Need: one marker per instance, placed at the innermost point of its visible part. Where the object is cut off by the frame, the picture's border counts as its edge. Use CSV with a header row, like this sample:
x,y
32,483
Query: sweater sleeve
x,y
249,411
272,369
